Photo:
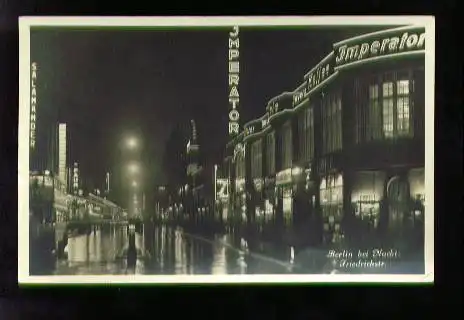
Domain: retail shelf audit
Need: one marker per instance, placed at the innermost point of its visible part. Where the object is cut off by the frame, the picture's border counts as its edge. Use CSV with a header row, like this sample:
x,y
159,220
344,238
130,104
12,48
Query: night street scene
x,y
227,150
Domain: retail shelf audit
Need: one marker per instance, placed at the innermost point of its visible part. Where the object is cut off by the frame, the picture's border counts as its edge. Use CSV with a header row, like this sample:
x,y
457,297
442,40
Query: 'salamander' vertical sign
x,y
33,117
234,78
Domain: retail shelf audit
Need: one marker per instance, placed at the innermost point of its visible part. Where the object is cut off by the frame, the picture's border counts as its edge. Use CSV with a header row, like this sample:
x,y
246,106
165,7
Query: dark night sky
x,y
107,83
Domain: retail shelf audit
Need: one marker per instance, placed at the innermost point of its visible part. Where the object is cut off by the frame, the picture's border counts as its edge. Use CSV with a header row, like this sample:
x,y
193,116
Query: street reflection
x,y
167,250
160,250
219,265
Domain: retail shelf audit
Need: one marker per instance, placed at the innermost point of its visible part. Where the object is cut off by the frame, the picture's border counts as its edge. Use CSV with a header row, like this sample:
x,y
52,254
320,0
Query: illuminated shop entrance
x,y
398,199
270,200
287,204
331,195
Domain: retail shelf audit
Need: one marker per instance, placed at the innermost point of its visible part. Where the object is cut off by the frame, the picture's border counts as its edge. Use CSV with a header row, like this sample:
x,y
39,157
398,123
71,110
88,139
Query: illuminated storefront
x,y
348,143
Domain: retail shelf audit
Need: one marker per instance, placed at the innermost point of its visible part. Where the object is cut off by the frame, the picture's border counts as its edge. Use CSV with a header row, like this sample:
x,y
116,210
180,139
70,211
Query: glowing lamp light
x,y
134,168
132,143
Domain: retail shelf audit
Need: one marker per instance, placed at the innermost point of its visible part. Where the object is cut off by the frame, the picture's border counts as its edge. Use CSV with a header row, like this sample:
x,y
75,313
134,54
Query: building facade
x,y
343,153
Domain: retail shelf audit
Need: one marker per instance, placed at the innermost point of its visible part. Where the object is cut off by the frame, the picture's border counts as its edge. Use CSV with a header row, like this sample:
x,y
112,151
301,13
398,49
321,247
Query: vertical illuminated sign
x,y
234,78
62,152
75,178
194,131
33,117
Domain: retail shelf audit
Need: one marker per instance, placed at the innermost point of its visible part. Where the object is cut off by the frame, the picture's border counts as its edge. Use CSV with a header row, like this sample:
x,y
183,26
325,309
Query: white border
x,y
23,144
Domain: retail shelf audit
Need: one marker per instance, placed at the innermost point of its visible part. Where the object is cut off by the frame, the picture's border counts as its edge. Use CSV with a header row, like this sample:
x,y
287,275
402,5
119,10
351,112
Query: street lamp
x,y
132,143
134,168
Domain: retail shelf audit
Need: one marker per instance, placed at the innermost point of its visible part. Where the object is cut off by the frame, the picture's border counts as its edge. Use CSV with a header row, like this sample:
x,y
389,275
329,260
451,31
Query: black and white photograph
x,y
226,149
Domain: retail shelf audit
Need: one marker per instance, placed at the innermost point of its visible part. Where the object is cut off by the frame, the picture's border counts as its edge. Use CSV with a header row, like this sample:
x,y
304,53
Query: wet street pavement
x,y
168,250
163,250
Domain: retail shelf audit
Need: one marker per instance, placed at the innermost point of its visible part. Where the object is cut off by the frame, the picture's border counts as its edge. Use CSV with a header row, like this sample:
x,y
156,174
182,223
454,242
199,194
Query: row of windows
x,y
383,110
385,107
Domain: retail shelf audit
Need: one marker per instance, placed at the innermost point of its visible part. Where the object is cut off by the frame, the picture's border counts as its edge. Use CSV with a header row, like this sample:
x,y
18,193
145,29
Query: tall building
x,y
62,152
58,151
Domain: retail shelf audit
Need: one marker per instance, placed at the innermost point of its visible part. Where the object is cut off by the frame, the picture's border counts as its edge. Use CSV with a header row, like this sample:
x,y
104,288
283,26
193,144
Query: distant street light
x,y
132,143
134,168
134,184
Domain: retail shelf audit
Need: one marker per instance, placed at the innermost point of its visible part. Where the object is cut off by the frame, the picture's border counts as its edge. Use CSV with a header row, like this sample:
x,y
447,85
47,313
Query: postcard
x,y
226,149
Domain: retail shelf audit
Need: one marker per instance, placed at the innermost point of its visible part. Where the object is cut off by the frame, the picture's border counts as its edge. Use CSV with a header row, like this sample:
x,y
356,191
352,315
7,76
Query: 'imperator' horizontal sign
x,y
379,44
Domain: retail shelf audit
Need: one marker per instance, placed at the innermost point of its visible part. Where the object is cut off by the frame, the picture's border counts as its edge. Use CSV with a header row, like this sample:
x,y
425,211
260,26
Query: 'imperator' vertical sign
x,y
33,118
234,71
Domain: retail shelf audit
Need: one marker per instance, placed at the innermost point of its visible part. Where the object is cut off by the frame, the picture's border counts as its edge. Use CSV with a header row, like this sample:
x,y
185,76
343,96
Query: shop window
x,y
287,204
268,210
367,191
367,208
331,197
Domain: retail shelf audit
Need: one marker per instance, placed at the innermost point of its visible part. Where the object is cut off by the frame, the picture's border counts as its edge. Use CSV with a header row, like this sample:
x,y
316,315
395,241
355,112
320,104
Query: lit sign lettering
x,y
264,122
279,103
273,108
234,77
75,178
249,130
194,130
33,117
381,46
222,186
313,78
